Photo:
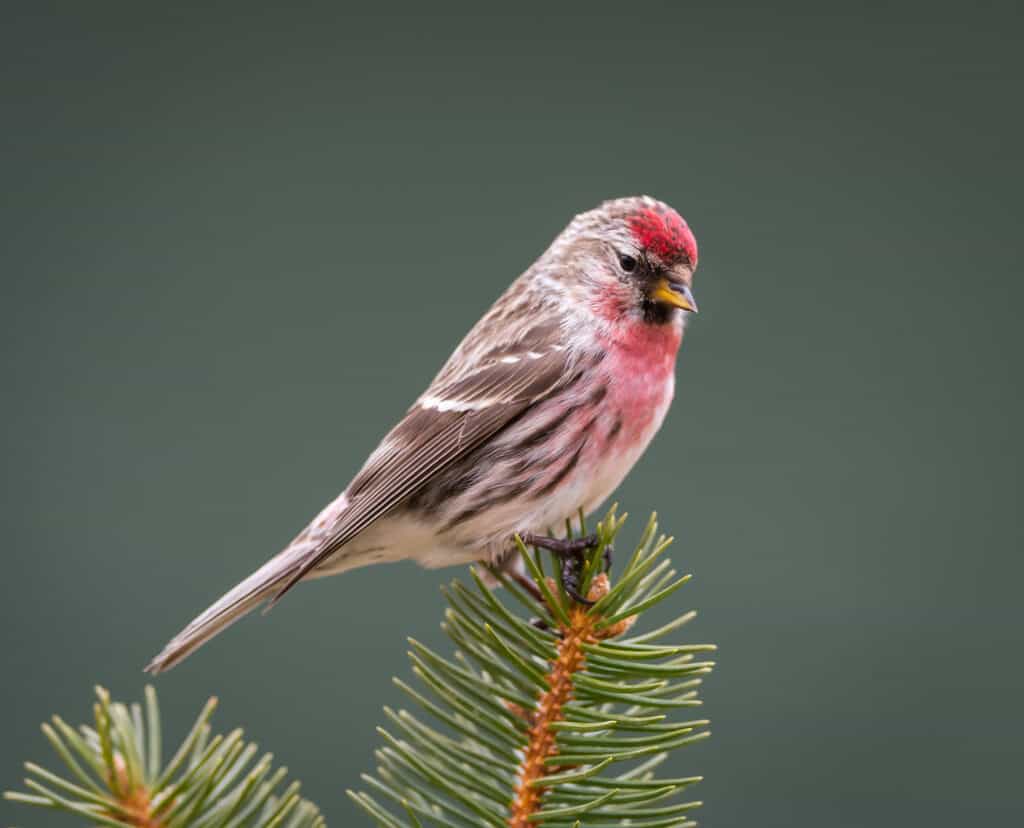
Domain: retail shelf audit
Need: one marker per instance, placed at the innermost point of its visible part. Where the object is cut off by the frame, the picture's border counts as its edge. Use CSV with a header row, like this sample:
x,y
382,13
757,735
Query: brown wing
x,y
455,416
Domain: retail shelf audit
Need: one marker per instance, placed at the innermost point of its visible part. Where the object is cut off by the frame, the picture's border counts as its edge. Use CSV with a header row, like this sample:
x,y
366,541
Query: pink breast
x,y
639,367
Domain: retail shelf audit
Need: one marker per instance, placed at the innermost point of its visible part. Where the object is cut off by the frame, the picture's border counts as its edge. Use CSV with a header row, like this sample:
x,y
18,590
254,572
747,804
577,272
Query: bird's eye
x,y
627,263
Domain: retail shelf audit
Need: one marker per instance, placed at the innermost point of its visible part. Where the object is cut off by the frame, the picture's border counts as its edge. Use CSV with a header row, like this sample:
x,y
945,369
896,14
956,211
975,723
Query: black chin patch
x,y
657,313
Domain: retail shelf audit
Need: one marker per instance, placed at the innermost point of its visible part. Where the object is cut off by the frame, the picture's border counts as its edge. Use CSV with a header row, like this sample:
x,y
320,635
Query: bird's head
x,y
631,258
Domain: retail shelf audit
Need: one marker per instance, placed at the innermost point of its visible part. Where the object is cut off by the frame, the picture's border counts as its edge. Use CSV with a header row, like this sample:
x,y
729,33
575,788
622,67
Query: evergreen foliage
x,y
557,721
117,777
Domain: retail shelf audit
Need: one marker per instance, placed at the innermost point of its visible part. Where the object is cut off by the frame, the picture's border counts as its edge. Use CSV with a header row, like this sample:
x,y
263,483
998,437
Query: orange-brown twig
x,y
135,799
571,658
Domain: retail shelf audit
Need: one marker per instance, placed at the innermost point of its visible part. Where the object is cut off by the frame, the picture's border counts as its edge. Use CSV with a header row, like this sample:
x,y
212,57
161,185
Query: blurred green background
x,y
237,242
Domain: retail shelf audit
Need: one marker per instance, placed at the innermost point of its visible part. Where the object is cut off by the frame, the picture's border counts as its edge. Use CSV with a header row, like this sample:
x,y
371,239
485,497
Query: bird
x,y
538,415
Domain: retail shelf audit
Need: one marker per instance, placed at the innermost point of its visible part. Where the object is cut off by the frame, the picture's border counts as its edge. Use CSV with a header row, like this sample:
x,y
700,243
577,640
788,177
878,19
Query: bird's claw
x,y
571,552
571,570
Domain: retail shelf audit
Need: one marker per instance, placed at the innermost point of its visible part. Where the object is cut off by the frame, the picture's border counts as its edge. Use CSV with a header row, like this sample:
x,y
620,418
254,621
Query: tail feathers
x,y
249,594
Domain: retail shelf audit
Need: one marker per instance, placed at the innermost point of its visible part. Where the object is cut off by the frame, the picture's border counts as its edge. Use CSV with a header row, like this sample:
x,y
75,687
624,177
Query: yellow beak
x,y
675,294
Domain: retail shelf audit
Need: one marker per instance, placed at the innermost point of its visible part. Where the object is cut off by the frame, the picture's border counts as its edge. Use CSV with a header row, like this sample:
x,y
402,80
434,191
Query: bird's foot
x,y
572,554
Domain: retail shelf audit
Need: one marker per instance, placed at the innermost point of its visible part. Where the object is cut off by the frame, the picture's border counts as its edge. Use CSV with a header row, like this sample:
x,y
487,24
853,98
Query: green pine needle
x,y
616,723
117,777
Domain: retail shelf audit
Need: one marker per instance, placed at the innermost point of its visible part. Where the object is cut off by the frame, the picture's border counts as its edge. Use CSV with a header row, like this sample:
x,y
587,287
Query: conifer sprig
x,y
557,721
116,776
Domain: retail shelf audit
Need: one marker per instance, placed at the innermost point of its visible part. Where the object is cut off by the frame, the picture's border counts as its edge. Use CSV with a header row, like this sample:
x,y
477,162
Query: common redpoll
x,y
539,413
